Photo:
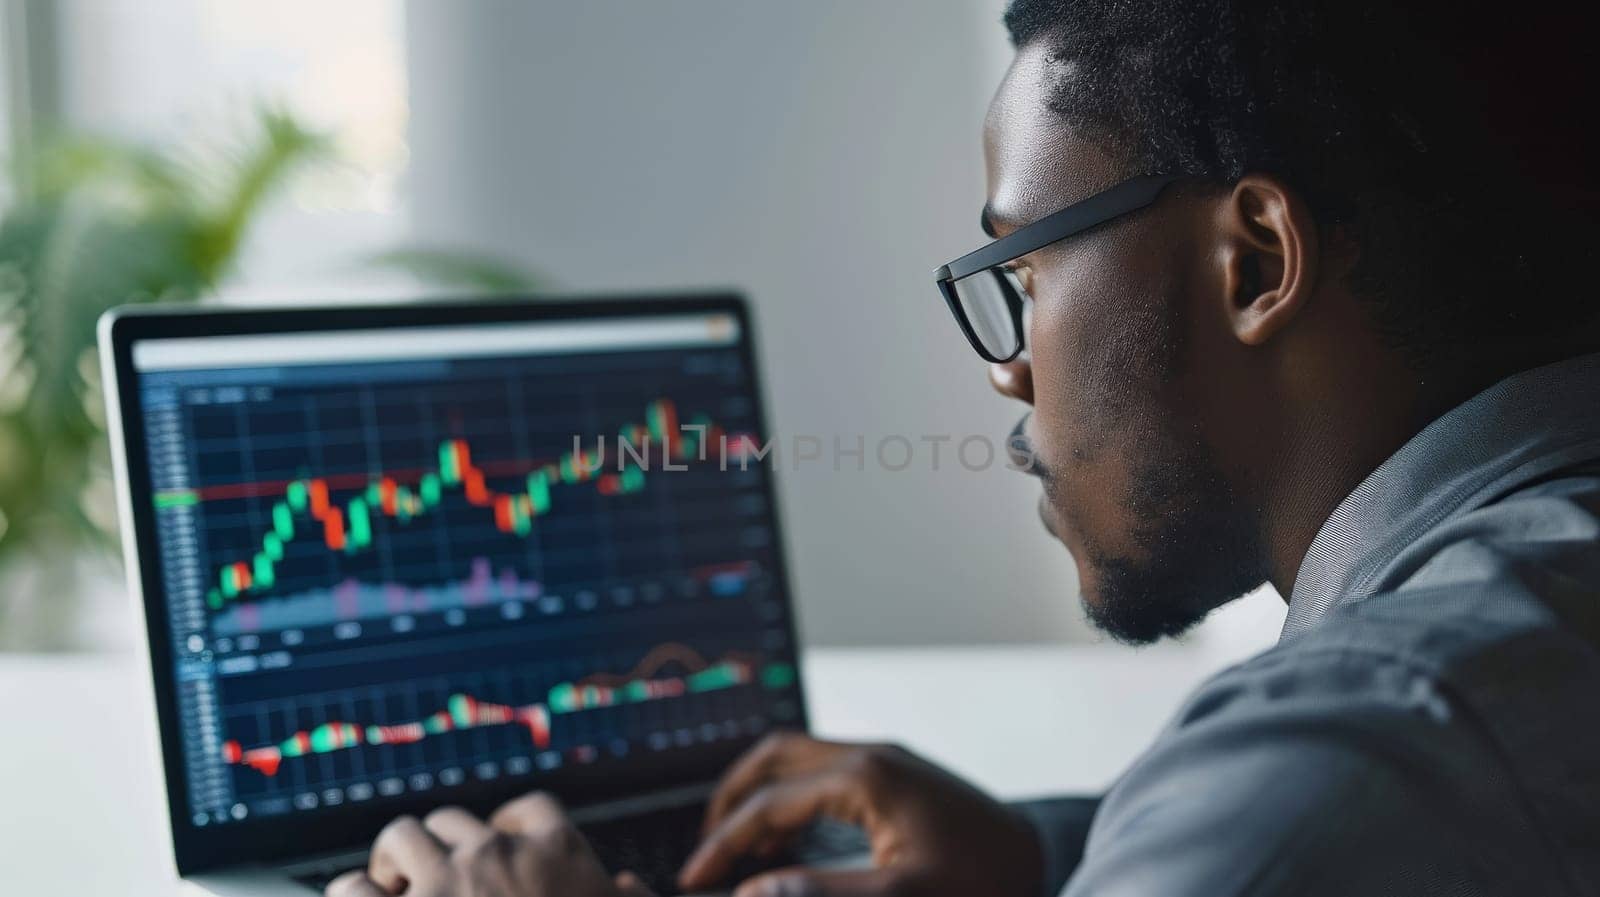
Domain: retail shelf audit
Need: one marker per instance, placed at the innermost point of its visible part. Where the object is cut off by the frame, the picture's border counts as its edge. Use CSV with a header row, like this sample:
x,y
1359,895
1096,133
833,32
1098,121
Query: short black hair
x,y
1454,148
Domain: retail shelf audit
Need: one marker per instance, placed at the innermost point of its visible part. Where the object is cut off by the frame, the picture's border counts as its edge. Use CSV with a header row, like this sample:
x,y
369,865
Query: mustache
x,y
1019,448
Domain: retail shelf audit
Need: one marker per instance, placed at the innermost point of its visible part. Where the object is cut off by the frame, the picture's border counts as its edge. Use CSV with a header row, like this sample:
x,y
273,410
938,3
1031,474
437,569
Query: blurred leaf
x,y
444,267
260,168
72,163
73,260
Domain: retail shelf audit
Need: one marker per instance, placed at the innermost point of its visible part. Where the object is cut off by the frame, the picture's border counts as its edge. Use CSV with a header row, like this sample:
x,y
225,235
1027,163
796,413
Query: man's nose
x,y
1014,378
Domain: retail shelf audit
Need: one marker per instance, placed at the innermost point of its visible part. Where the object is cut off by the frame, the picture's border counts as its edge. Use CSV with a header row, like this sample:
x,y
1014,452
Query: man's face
x,y
1118,345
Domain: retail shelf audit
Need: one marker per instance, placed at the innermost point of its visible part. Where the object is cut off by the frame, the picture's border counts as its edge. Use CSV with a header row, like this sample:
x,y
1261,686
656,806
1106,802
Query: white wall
x,y
192,74
823,155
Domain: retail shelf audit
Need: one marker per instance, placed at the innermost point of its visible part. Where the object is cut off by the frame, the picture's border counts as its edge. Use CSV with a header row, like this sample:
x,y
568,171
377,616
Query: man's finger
x,y
354,883
537,815
632,886
800,882
772,813
779,755
456,828
404,853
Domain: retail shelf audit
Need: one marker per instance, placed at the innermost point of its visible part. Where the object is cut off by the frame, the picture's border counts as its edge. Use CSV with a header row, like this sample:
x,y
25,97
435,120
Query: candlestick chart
x,y
348,527
613,468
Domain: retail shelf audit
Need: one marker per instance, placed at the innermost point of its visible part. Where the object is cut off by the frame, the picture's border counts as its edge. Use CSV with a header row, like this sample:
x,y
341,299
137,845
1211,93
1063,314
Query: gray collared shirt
x,y
1429,722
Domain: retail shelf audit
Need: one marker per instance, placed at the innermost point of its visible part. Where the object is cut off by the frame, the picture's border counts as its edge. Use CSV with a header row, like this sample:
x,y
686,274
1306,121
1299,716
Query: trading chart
x,y
388,576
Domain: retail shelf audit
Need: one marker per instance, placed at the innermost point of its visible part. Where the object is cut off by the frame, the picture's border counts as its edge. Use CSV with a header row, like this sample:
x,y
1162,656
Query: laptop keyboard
x,y
655,845
652,846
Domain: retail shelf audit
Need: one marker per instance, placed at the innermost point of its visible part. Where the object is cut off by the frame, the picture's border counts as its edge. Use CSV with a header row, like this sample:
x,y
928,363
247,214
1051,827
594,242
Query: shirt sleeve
x,y
1334,775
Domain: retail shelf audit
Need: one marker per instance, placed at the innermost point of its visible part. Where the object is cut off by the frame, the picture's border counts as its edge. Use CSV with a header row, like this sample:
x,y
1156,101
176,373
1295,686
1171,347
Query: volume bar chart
x,y
353,600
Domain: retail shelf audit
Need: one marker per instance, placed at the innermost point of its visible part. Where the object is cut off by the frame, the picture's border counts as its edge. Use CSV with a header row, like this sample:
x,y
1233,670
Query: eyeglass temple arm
x,y
1130,195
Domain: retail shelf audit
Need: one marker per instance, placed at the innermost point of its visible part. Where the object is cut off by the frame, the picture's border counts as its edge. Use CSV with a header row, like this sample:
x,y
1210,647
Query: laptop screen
x,y
404,560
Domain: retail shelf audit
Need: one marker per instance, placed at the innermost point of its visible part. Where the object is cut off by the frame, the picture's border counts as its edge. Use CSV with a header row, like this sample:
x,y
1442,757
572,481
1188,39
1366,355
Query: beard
x,y
1198,548
1195,544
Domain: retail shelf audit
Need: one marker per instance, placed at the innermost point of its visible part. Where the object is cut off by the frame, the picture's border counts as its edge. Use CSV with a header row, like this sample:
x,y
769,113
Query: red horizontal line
x,y
360,480
507,467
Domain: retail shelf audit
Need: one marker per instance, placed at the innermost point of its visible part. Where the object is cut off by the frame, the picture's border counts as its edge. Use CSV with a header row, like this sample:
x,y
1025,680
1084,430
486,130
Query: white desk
x,y
80,815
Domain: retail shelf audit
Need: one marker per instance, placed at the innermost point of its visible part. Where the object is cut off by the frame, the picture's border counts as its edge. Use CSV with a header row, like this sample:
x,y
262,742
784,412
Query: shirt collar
x,y
1525,427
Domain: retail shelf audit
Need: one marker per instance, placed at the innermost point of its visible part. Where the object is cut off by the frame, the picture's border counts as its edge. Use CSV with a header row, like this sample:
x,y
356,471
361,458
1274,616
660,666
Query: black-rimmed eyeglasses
x,y
984,294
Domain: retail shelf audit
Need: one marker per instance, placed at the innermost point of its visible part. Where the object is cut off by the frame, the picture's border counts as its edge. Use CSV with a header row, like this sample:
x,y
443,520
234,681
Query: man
x,y
1318,313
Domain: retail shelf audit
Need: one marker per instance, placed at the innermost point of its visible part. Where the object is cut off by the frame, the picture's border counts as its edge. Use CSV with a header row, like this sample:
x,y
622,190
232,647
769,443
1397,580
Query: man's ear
x,y
1269,257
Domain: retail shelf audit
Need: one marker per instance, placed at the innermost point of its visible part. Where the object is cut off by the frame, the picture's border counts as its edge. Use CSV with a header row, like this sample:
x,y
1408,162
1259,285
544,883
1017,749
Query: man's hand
x,y
527,849
932,834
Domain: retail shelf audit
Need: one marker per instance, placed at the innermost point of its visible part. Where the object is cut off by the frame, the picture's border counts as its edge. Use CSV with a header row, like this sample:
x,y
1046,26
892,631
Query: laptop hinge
x,y
666,798
344,859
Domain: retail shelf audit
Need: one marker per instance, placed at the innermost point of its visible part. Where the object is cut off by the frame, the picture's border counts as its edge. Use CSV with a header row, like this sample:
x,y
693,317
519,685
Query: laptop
x,y
395,558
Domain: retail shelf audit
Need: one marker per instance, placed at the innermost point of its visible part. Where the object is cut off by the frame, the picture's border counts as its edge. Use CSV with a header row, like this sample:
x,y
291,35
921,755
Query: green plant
x,y
96,223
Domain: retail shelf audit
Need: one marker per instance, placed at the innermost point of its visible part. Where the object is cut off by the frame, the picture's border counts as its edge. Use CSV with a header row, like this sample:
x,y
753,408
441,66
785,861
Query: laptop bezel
x,y
297,835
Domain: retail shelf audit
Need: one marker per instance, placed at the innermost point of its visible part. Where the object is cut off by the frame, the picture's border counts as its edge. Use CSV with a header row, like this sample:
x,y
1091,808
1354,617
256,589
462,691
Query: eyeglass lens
x,y
991,302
